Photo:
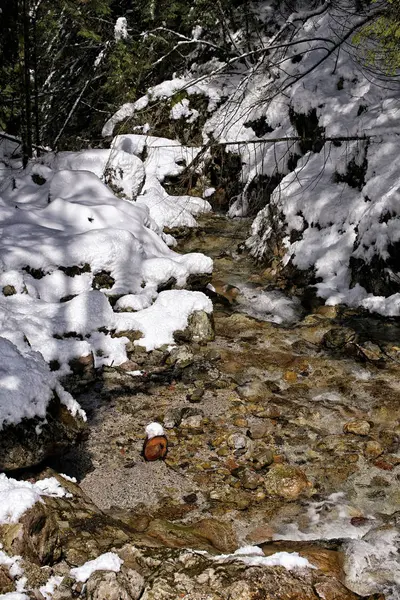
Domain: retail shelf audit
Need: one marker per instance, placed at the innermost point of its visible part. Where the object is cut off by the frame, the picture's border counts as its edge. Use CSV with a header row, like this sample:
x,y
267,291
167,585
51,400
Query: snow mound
x,y
16,497
27,385
70,248
123,170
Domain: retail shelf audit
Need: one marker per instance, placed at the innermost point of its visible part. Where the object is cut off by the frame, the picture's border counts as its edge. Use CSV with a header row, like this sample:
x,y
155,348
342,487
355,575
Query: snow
x,y
181,110
121,29
61,227
16,497
333,221
50,586
154,430
27,385
253,556
121,169
106,562
11,562
158,322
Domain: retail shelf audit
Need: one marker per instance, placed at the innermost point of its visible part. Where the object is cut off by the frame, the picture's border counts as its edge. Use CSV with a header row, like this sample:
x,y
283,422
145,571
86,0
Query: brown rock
x,y
285,481
22,447
6,581
373,449
357,427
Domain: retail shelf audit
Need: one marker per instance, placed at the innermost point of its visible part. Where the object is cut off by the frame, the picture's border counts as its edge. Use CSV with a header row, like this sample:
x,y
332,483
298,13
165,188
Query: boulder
x,y
200,328
32,441
107,585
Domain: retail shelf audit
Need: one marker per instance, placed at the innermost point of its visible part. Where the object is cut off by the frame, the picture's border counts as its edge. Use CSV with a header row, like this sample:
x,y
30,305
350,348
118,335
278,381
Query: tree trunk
x,y
27,137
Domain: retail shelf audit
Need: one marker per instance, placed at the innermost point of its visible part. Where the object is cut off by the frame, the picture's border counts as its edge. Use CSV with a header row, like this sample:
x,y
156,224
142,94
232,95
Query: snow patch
x,y
106,562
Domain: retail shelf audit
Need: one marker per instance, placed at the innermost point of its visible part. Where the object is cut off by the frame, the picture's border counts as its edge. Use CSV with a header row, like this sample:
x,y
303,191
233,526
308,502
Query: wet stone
x,y
373,449
357,427
286,482
339,337
249,479
237,441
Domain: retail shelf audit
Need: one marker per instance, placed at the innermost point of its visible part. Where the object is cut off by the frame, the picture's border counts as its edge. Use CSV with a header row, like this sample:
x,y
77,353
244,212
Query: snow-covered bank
x,y
68,245
335,209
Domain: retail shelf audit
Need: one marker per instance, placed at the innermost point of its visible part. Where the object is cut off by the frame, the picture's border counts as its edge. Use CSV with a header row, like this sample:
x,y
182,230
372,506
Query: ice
x,y
372,564
271,306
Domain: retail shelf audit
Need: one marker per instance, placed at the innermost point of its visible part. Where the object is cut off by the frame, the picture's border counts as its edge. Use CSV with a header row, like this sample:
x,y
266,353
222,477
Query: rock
x,y
83,371
103,280
198,281
262,456
249,479
175,416
329,312
132,336
192,422
254,391
167,285
290,376
200,328
237,441
286,482
373,449
338,338
9,290
72,527
180,356
6,581
357,427
128,584
259,430
208,534
23,447
196,396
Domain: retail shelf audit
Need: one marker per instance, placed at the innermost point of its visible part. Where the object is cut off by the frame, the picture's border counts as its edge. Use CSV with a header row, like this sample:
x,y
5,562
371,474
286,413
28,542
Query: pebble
x,y
195,396
290,376
357,427
237,441
240,422
373,449
249,479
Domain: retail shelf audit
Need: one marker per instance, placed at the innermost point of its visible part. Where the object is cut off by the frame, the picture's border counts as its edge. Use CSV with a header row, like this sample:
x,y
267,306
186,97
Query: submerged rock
x,y
286,482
